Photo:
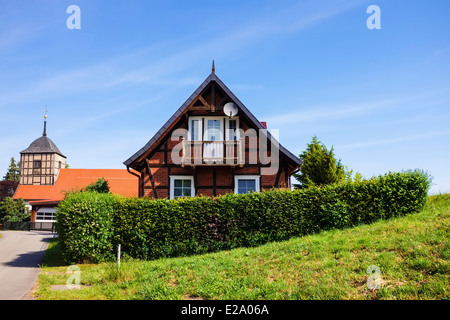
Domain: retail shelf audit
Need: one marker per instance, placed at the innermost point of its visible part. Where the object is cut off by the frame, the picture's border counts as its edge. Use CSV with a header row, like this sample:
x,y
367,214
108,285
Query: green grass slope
x,y
411,252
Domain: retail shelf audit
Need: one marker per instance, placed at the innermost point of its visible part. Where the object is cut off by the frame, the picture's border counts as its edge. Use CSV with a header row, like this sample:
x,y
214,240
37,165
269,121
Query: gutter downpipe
x,y
139,180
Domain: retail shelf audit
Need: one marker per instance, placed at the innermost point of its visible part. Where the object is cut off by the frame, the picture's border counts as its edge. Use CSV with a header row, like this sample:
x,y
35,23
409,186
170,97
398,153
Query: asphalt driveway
x,y
21,253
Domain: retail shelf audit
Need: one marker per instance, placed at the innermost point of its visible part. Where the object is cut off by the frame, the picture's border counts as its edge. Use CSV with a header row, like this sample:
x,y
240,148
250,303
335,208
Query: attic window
x,y
195,129
232,126
213,128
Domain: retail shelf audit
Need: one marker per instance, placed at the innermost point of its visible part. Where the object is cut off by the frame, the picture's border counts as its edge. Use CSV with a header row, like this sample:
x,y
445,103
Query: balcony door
x,y
213,137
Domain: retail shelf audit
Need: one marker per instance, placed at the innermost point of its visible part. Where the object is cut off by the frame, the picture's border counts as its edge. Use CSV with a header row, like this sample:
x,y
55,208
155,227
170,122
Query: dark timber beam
x,y
152,180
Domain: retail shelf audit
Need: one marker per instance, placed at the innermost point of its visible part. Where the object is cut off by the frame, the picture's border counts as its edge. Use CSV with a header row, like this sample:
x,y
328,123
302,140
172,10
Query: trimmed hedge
x,y
84,226
90,225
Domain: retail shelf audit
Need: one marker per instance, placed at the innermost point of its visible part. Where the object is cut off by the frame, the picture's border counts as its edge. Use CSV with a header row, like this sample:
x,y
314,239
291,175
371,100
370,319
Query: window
x,y
231,129
213,130
181,186
37,164
195,129
246,184
232,126
45,216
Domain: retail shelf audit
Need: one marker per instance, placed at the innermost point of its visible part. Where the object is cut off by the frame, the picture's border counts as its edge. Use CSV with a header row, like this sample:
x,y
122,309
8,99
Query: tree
x,y
7,188
100,186
13,173
13,210
319,167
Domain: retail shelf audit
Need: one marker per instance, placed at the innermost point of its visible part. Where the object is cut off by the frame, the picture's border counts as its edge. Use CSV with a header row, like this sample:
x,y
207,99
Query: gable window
x,y
246,184
181,186
232,126
231,129
213,128
195,129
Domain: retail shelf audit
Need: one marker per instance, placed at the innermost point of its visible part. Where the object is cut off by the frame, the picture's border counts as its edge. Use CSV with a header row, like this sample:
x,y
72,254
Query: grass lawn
x,y
412,252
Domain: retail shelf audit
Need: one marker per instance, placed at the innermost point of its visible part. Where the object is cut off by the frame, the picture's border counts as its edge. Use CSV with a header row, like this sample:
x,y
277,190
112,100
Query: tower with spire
x,y
41,161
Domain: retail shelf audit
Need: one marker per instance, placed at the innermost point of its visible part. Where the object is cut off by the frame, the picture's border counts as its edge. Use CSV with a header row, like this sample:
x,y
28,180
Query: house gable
x,y
209,99
162,177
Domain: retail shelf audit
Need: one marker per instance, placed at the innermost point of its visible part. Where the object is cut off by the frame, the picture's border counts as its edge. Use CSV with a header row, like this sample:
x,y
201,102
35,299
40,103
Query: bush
x,y
84,226
150,229
100,186
13,210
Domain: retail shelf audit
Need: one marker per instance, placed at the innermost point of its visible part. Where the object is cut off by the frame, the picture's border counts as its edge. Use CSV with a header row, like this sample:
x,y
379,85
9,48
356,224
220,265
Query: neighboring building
x,y
208,148
44,179
44,199
40,162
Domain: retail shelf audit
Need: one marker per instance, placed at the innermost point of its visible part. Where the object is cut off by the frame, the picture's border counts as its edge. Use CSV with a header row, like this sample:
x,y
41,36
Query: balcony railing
x,y
201,153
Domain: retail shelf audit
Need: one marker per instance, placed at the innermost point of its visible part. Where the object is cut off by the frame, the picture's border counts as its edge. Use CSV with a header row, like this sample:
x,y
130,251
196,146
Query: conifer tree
x,y
13,173
319,167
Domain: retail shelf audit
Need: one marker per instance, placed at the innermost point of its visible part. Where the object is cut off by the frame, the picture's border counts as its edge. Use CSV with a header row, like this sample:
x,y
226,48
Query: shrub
x,y
84,226
150,229
13,210
100,186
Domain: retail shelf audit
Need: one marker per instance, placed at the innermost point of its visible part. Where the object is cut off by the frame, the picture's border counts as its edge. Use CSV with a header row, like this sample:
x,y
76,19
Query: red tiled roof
x,y
120,181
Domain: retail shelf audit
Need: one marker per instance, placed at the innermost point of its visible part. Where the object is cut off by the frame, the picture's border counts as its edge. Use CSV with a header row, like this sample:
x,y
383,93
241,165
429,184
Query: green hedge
x,y
84,226
90,225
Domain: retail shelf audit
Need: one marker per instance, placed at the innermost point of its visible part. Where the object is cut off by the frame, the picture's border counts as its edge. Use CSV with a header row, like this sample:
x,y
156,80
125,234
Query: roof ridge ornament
x,y
213,68
45,122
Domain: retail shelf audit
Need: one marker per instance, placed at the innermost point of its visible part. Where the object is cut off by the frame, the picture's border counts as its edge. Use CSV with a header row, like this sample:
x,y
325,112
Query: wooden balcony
x,y
219,153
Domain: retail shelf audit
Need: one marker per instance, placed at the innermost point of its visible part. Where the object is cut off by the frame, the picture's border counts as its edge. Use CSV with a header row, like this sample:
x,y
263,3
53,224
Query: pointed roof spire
x,y
213,68
45,123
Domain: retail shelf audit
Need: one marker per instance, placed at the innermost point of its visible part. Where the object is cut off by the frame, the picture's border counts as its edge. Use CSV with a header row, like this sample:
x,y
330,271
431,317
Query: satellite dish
x,y
230,109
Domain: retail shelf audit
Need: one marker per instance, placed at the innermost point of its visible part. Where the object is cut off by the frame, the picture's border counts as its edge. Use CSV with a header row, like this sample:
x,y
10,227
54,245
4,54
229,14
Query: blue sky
x,y
381,98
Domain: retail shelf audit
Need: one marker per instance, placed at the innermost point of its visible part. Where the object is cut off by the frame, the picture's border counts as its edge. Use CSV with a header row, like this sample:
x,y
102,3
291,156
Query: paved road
x,y
21,253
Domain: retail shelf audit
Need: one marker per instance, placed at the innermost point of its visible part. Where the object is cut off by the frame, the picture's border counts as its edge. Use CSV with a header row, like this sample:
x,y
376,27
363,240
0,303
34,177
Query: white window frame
x,y
205,130
202,128
246,177
172,185
45,210
227,128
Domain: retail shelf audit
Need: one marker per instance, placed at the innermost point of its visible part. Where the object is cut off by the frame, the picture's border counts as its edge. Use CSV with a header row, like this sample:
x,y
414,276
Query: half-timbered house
x,y
212,145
